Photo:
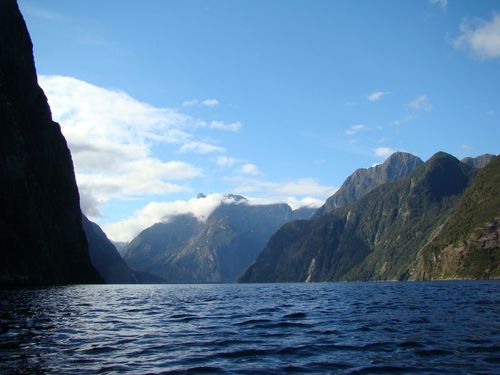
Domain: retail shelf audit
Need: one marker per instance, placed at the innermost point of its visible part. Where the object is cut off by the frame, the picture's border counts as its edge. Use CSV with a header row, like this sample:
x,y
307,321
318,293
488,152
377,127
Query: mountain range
x,y
188,250
397,231
403,219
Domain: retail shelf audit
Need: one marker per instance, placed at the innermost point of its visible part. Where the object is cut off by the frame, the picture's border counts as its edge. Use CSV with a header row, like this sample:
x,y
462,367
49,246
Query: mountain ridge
x,y
364,180
186,249
370,239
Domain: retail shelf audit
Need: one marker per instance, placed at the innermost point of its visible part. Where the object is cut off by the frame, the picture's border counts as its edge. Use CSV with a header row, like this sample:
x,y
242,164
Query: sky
x,y
278,101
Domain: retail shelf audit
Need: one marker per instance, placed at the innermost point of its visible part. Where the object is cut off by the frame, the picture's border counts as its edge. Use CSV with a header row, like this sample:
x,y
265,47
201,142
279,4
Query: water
x,y
434,327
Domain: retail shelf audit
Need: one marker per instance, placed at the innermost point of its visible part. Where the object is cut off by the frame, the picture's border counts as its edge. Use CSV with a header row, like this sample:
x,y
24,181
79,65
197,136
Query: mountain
x,y
479,161
467,245
374,238
187,250
364,180
105,257
41,234
107,260
120,246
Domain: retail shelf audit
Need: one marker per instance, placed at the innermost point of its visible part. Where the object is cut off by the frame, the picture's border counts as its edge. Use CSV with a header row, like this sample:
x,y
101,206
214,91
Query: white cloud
x,y
200,148
205,102
226,161
250,169
480,38
201,208
377,95
89,204
383,152
111,136
156,212
302,187
355,129
210,102
232,127
420,103
190,103
440,3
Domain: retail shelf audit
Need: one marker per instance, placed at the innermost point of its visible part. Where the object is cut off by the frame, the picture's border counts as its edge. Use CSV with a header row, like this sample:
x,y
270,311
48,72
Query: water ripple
x,y
354,328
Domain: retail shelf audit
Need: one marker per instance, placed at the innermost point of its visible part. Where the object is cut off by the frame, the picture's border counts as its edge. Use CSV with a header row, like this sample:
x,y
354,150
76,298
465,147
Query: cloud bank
x,y
201,208
111,136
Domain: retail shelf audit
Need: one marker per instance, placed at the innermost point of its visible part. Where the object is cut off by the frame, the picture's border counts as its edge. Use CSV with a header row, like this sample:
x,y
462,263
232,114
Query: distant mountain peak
x,y
479,162
400,164
235,197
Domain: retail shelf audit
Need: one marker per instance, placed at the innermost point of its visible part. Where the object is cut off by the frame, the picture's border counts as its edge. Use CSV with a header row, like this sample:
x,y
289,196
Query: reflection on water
x,y
436,327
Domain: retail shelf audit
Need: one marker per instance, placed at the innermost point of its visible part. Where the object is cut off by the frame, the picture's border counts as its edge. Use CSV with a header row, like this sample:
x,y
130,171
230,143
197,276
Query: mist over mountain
x,y
378,237
41,235
187,249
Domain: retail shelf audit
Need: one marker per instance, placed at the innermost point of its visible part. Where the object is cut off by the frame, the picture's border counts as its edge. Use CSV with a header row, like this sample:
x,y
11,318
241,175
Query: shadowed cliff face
x,y
41,235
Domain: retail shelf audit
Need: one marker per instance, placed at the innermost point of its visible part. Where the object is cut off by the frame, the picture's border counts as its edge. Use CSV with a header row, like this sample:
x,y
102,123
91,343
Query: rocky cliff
x,y
364,180
41,234
480,161
376,238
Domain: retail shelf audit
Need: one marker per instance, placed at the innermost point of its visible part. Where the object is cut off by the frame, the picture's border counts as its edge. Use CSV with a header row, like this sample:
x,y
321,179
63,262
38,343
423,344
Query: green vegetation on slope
x,y
375,238
467,245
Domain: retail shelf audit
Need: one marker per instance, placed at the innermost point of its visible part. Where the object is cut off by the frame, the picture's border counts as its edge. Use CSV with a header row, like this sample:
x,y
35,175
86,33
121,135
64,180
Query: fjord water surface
x,y
427,327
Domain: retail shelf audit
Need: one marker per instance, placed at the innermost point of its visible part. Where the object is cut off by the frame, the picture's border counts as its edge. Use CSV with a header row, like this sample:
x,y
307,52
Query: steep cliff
x,y
41,235
375,238
467,245
364,180
104,256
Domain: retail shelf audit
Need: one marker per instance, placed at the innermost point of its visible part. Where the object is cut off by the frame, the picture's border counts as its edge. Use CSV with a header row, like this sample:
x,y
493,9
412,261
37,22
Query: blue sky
x,y
277,100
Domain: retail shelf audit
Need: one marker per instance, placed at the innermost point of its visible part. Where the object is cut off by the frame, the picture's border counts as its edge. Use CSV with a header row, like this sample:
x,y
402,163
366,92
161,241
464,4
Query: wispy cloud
x,y
420,103
250,169
281,190
226,161
377,95
200,148
480,38
39,12
383,152
443,4
210,102
467,148
355,129
231,127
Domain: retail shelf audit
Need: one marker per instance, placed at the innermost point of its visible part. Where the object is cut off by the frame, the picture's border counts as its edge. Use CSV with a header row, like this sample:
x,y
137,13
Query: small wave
x,y
245,353
433,352
295,315
252,322
384,370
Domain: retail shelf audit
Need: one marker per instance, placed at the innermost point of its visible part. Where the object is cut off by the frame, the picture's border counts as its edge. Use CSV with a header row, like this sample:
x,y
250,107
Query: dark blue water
x,y
435,327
